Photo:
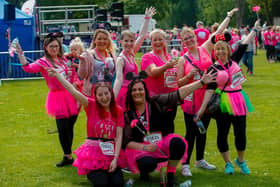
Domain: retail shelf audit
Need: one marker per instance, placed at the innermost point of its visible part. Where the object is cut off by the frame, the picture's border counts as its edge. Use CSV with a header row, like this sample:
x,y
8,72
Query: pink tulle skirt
x,y
121,97
90,157
61,104
163,152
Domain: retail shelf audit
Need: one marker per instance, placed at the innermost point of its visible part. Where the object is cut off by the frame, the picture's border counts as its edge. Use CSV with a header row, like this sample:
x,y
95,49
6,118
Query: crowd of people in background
x,y
130,114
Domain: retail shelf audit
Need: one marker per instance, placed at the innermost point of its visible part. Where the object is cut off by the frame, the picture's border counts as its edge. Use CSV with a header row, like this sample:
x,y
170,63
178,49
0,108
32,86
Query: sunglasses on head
x,y
55,35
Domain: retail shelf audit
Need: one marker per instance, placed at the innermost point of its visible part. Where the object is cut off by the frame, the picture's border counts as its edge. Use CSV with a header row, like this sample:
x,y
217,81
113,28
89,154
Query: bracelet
x,y
228,16
146,17
116,157
144,148
255,30
202,82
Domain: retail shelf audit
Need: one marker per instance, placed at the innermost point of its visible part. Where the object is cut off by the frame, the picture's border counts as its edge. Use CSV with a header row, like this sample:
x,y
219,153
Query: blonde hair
x,y
77,42
157,31
110,48
127,33
187,30
223,44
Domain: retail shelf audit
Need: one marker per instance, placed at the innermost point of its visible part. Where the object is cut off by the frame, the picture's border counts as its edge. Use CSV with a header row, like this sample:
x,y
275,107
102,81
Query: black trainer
x,y
64,162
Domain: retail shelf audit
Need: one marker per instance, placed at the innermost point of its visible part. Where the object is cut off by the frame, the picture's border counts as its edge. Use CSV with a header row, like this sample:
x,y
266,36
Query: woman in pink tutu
x,y
145,140
190,68
100,156
234,104
126,62
59,104
98,62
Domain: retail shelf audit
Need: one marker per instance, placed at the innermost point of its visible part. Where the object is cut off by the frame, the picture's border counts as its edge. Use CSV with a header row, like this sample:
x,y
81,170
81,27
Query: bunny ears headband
x,y
133,76
223,37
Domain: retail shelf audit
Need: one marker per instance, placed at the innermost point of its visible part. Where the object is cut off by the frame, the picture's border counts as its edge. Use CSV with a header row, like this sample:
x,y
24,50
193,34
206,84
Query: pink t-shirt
x,y
101,128
193,101
158,85
267,38
202,35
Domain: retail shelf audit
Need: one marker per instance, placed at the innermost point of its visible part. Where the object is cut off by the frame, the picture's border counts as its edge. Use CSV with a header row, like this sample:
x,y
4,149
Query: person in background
x,y
201,33
247,58
146,142
98,62
190,68
126,62
59,104
65,48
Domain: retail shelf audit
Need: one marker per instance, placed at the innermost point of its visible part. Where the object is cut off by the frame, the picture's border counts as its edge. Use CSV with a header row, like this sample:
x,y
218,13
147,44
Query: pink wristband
x,y
146,17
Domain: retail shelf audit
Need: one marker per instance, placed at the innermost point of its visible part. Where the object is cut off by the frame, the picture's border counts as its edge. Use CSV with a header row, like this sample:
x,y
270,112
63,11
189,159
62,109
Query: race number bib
x,y
107,148
170,78
153,137
237,79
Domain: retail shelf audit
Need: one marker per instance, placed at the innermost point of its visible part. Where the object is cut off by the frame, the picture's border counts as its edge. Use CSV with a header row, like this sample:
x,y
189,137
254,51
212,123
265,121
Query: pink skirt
x,y
61,104
121,97
163,152
90,157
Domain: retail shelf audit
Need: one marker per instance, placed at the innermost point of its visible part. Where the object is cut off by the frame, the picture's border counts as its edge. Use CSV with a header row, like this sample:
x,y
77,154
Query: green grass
x,y
28,153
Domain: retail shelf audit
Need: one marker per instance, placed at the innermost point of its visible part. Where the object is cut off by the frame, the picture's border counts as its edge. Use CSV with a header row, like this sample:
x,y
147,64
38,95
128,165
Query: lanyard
x,y
129,59
62,65
147,118
101,58
227,70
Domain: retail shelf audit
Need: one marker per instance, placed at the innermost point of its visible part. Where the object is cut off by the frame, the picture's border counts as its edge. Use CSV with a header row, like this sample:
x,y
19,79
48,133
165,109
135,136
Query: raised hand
x,y
230,13
150,12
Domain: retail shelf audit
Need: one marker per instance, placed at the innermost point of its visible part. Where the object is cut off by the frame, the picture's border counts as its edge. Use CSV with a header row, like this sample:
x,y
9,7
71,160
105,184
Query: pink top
x,y
157,85
223,76
202,35
233,41
267,38
128,67
101,128
193,101
273,39
277,37
52,82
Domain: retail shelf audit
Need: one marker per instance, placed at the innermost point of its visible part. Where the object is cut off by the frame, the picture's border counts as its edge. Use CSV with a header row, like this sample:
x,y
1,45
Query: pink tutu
x,y
90,157
121,97
61,104
132,155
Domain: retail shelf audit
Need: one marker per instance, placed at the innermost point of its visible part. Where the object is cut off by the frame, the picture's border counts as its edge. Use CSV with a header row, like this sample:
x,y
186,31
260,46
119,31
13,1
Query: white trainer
x,y
186,170
204,164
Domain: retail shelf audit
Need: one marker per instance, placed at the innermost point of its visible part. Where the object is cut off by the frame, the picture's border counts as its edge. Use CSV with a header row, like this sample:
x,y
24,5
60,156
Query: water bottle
x,y
200,126
129,183
163,177
187,183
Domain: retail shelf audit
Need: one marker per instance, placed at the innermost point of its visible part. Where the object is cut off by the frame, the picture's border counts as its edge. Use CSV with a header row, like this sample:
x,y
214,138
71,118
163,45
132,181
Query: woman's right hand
x,y
151,147
150,12
192,73
171,63
52,72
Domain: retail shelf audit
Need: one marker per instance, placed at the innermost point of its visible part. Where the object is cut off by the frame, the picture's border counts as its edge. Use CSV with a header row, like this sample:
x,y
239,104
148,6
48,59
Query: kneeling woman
x,y
99,157
145,144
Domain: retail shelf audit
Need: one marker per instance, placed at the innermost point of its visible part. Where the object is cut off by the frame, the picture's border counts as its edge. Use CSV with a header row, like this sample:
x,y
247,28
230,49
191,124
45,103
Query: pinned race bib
x,y
189,97
153,137
237,79
170,78
107,148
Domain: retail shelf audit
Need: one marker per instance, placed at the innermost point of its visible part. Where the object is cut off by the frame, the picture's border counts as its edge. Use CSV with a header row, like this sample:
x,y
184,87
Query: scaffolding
x,y
50,18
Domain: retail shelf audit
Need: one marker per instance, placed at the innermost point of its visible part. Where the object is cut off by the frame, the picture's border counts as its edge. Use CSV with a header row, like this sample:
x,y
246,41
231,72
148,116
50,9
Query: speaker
x,y
9,12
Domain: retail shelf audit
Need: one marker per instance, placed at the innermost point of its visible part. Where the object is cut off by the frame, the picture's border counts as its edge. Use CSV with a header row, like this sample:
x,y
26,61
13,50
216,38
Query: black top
x,y
157,108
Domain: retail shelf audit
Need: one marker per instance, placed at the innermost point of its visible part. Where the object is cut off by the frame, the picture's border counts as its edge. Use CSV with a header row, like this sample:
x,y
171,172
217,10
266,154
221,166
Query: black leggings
x,y
102,178
193,134
239,127
65,129
148,164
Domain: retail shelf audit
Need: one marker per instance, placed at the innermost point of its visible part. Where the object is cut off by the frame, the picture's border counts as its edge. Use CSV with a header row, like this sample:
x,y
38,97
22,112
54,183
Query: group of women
x,y
130,116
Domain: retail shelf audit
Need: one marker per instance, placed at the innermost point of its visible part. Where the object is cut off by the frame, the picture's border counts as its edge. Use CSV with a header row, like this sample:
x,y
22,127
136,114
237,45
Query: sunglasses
x,y
55,35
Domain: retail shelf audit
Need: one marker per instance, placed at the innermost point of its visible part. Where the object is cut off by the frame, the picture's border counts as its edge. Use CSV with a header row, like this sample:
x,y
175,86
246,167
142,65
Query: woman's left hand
x,y
113,165
209,77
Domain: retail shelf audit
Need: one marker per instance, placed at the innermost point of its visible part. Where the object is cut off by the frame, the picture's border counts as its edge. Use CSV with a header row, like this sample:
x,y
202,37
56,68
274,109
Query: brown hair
x,y
127,33
49,40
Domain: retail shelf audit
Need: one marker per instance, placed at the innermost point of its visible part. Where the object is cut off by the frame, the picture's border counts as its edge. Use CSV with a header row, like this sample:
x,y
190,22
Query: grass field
x,y
28,153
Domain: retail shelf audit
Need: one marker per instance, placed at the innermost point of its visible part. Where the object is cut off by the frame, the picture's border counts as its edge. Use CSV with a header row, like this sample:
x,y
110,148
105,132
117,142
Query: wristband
x,y
228,16
255,30
146,17
202,82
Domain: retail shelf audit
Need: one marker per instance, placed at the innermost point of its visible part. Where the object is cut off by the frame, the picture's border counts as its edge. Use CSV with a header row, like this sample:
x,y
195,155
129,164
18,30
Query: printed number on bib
x,y
107,148
237,79
153,137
